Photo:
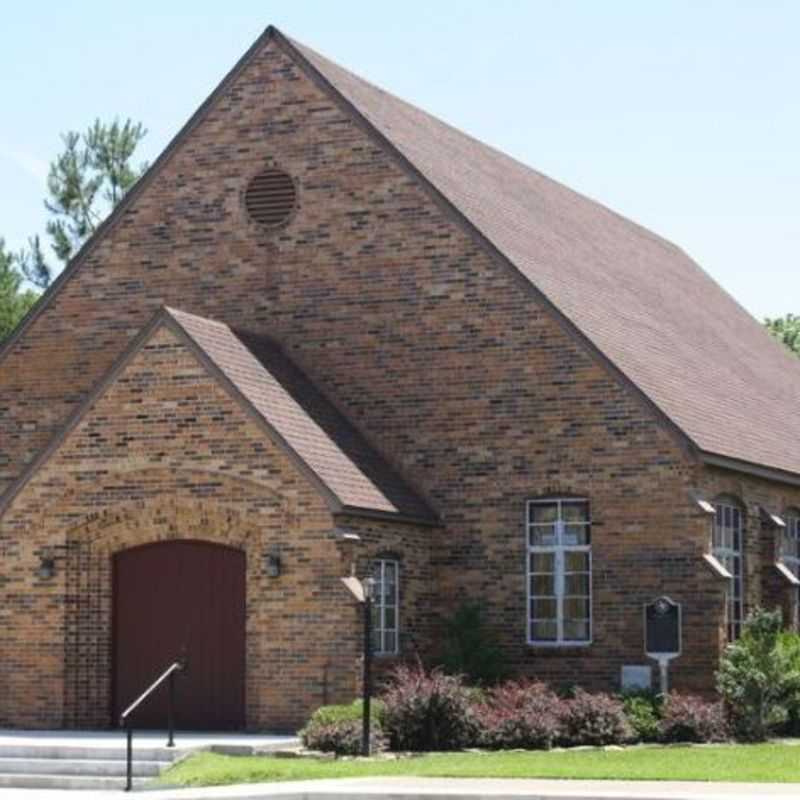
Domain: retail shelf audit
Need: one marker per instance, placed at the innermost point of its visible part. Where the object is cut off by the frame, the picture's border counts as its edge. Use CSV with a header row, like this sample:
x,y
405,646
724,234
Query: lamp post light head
x,y
369,588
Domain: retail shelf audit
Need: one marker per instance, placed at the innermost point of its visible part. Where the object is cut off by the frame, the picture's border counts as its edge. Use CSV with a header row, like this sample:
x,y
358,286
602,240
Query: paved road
x,y
445,789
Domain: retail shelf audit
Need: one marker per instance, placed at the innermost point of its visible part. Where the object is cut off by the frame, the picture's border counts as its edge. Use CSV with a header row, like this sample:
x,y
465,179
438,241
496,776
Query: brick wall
x,y
764,586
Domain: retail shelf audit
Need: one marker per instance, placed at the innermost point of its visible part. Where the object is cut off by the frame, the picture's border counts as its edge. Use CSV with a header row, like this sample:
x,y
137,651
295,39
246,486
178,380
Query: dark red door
x,y
181,598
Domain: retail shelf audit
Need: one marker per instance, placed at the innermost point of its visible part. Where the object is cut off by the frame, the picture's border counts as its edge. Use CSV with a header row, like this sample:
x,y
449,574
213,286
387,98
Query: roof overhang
x,y
749,468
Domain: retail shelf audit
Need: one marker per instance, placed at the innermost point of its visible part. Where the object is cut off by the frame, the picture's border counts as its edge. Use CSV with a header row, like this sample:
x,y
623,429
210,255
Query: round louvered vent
x,y
270,198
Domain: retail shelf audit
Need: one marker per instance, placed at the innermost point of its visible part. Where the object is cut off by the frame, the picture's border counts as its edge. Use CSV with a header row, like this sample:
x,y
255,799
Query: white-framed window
x,y
386,607
727,543
559,554
790,549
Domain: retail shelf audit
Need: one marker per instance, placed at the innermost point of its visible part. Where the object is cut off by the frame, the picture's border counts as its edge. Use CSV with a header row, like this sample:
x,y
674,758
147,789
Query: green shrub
x,y
327,715
790,644
470,649
643,710
759,676
343,737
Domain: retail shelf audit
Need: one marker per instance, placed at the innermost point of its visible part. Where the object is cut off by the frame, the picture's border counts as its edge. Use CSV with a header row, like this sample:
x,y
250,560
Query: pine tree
x,y
14,303
87,179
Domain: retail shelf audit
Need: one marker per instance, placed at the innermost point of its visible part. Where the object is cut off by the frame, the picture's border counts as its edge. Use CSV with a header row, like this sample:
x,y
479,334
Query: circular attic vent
x,y
270,198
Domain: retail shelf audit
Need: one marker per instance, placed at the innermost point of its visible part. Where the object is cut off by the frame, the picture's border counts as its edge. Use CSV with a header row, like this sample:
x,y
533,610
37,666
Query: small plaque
x,y
662,628
636,677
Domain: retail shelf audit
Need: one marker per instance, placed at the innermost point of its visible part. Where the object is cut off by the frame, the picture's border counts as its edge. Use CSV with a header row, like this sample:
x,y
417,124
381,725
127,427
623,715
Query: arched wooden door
x,y
181,598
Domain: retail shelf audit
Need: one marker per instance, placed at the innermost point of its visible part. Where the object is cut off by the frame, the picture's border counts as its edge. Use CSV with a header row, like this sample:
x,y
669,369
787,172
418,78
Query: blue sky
x,y
684,116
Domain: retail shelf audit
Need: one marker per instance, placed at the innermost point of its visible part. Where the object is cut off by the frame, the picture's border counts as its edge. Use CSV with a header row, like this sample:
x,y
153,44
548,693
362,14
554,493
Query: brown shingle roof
x,y
662,321
304,421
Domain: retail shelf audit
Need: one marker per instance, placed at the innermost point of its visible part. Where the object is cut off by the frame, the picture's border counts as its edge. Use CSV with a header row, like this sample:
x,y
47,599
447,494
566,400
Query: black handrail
x,y
124,722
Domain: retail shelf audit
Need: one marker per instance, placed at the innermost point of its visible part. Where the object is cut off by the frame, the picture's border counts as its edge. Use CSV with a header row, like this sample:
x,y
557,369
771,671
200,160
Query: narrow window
x,y
385,608
559,572
727,544
790,551
790,555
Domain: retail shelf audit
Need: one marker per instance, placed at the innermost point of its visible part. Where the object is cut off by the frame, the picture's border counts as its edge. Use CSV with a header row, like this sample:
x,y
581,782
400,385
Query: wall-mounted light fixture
x,y
46,568
272,564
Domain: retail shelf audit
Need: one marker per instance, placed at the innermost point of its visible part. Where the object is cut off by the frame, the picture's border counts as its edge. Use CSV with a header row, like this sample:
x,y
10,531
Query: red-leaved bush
x,y
685,718
594,719
428,711
520,714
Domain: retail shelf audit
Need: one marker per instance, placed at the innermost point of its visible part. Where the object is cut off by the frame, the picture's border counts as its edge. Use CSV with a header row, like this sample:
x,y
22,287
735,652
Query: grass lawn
x,y
775,763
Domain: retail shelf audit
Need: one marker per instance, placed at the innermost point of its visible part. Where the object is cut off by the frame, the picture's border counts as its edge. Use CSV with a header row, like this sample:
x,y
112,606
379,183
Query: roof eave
x,y
749,468
431,521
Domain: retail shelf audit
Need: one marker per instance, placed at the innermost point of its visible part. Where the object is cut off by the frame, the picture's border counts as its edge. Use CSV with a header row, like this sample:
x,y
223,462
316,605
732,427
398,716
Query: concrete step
x,y
94,767
86,752
82,782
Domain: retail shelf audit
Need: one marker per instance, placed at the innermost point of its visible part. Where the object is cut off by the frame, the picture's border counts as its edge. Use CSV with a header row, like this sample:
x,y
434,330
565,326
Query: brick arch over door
x,y
90,551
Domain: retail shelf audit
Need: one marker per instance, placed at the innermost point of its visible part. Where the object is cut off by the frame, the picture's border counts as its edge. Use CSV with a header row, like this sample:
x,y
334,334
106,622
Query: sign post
x,y
662,635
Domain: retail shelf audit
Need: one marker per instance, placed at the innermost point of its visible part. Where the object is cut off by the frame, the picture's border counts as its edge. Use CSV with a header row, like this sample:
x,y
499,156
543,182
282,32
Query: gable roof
x,y
303,420
295,416
690,351
656,316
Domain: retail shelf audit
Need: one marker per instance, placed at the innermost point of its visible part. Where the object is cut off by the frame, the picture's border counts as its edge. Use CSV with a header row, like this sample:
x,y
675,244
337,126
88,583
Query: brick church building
x,y
326,329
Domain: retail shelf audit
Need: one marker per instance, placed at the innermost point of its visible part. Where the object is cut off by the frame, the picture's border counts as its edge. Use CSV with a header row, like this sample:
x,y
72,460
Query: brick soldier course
x,y
436,336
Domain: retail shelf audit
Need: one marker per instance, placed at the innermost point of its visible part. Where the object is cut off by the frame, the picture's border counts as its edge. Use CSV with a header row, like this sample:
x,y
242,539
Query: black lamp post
x,y
369,592
364,593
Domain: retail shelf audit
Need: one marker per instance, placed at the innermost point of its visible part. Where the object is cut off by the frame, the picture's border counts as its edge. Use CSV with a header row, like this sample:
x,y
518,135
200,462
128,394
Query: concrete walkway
x,y
445,789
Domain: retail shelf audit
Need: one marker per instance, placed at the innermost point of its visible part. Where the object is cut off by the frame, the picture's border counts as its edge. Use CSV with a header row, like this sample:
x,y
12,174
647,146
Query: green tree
x,y
787,330
470,648
86,180
14,302
759,675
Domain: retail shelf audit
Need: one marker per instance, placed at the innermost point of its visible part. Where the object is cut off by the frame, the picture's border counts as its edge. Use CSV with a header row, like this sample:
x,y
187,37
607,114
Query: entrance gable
x,y
185,391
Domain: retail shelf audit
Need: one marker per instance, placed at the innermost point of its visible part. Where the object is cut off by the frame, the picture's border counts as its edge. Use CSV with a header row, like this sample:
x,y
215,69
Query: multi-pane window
x,y
385,619
559,572
727,545
790,554
790,551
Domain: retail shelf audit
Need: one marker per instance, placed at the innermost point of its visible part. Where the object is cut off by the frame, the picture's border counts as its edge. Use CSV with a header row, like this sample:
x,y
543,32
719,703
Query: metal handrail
x,y
168,674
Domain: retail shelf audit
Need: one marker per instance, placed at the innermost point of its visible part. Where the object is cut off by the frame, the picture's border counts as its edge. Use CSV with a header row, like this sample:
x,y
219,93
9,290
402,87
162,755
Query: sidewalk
x,y
441,788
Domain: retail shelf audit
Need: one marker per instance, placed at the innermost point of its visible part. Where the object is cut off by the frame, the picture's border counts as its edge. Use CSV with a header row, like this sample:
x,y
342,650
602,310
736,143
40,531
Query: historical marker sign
x,y
662,626
662,634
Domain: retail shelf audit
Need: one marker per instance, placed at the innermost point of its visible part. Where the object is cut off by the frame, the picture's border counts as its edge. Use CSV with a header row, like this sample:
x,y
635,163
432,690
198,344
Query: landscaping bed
x,y
433,723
